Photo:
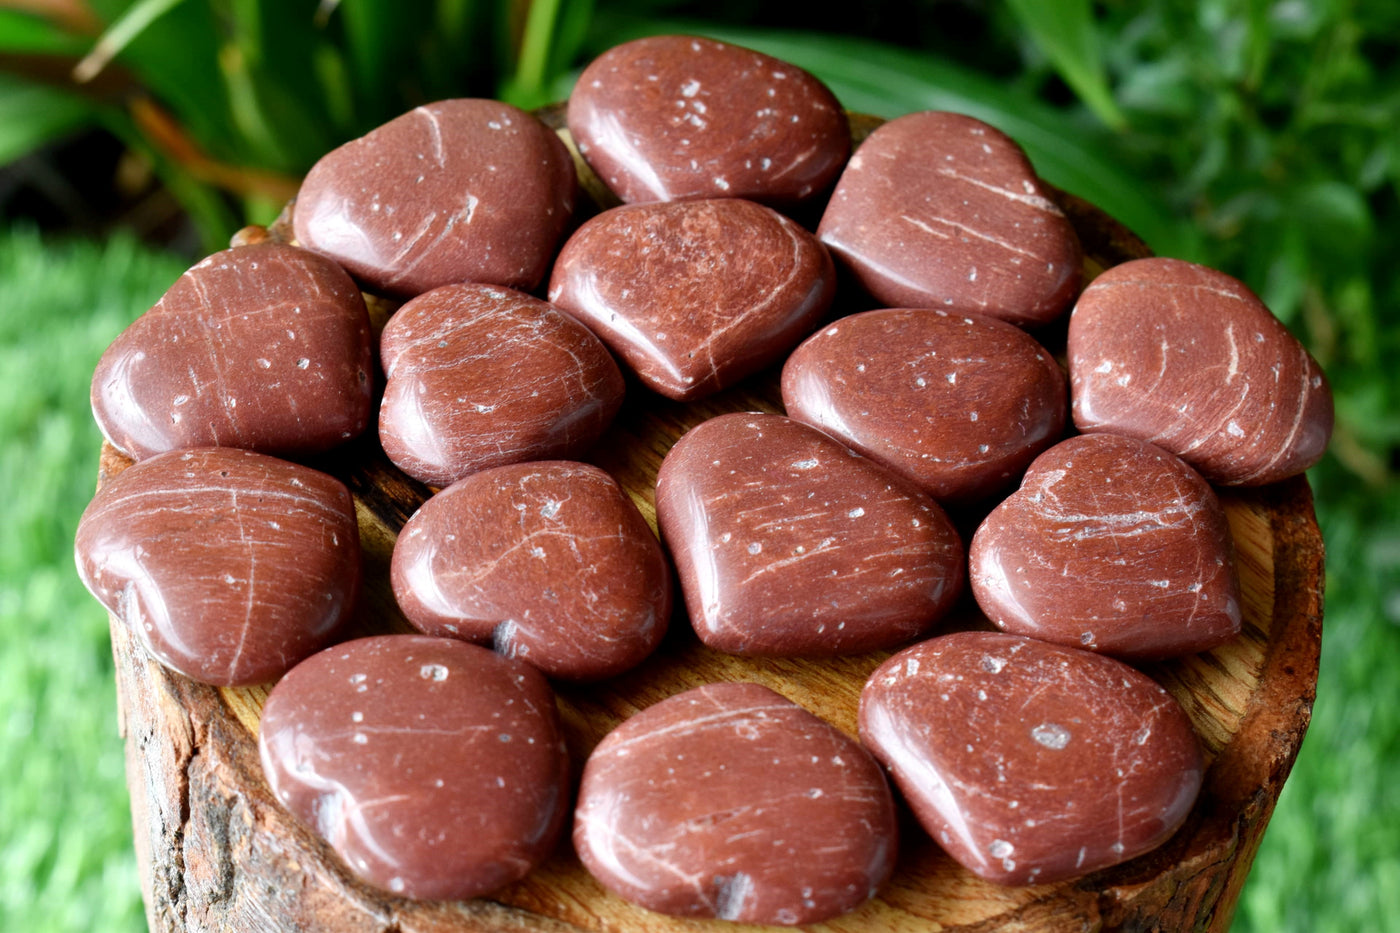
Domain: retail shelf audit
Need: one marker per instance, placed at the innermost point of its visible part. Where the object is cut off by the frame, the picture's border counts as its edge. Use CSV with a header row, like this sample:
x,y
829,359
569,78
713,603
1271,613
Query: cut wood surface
x,y
217,852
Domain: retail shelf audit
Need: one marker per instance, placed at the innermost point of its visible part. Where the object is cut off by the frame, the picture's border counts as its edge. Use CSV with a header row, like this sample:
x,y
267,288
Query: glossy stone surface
x,y
670,117
434,768
481,376
463,190
229,566
1111,544
957,404
265,347
939,210
549,562
695,295
730,801
1191,360
1029,762
788,543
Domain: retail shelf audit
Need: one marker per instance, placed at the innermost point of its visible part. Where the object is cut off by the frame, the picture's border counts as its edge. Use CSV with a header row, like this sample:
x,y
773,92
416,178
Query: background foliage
x,y
1258,136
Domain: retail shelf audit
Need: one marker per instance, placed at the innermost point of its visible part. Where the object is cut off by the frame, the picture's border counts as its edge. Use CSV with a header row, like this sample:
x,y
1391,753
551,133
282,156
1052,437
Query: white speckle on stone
x,y
992,665
1234,430
1051,735
359,738
856,512
690,88
432,672
1000,848
755,547
805,464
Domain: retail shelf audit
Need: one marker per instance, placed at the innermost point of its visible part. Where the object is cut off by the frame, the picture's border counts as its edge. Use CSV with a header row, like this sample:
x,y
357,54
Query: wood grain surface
x,y
217,852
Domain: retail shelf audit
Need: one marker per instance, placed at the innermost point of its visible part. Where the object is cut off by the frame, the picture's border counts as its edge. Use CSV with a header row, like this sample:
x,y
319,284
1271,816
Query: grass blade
x,y
120,34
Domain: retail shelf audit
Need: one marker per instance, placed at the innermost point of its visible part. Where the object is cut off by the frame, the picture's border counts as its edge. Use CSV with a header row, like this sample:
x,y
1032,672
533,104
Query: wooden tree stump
x,y
217,852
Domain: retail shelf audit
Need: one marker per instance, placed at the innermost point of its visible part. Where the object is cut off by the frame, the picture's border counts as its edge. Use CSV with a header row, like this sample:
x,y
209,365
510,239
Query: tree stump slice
x,y
217,852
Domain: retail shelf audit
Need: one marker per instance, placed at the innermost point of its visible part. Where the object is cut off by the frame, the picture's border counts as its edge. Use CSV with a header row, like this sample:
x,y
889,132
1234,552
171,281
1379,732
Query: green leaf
x,y
31,115
1065,31
21,32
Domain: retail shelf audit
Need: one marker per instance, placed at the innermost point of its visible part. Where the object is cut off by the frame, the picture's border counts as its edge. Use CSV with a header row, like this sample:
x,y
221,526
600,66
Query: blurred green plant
x,y
233,100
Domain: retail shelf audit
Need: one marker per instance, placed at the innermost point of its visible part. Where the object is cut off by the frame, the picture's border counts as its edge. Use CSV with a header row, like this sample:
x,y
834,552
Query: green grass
x,y
66,859
1330,860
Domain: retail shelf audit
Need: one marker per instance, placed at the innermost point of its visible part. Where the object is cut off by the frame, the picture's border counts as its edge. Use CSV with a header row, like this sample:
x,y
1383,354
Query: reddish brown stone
x,y
549,562
1031,762
264,347
671,117
939,210
433,768
1113,545
481,376
957,404
729,801
454,191
696,295
229,566
787,543
1191,360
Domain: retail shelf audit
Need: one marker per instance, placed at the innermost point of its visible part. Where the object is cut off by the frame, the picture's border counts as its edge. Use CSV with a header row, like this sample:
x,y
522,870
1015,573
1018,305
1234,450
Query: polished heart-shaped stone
x,y
264,347
549,562
939,210
435,769
1031,763
1191,360
788,543
730,801
463,190
669,117
228,565
695,295
958,404
1110,544
480,376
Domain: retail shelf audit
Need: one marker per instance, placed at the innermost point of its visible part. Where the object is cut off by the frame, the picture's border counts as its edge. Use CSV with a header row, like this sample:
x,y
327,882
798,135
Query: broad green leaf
x,y
1065,31
875,78
31,115
21,32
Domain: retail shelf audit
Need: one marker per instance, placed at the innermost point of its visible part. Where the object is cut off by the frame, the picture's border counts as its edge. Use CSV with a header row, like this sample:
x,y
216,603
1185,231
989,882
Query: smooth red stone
x,y
957,404
665,118
1110,544
228,565
939,210
1191,360
264,347
481,376
463,190
549,562
1031,763
730,801
788,543
695,295
434,768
